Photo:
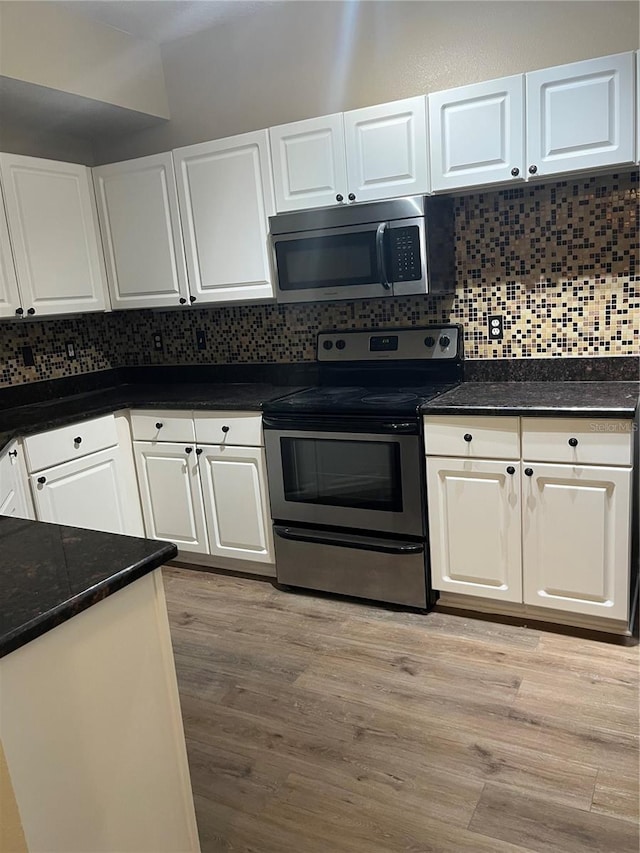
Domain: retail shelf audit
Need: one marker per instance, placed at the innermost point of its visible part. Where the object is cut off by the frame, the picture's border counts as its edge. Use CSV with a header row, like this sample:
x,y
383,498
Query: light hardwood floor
x,y
320,725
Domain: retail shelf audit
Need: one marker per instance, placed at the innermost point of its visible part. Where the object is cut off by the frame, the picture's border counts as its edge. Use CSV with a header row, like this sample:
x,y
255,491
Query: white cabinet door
x,y
474,527
9,295
234,485
140,224
54,234
476,134
386,148
576,540
89,493
309,166
15,498
171,495
226,196
580,116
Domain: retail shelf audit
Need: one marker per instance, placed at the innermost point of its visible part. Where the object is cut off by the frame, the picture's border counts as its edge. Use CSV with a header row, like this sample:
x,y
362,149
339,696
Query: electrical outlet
x,y
71,350
157,341
201,339
27,356
496,327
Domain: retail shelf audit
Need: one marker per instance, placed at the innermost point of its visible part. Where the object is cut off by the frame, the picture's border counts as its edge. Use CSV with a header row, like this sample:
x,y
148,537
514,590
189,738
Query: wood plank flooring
x,y
320,725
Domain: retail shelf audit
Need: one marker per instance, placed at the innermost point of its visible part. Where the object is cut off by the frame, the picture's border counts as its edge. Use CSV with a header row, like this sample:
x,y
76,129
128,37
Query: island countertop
x,y
49,573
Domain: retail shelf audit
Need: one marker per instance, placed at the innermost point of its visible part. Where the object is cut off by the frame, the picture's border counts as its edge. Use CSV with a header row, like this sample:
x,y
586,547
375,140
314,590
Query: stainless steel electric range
x,y
345,464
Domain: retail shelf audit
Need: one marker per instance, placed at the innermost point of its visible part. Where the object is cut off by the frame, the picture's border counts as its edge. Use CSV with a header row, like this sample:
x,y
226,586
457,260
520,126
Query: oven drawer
x,y
350,564
473,436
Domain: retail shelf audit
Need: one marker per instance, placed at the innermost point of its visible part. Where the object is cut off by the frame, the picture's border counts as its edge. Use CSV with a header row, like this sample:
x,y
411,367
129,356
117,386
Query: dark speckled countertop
x,y
546,399
49,573
223,396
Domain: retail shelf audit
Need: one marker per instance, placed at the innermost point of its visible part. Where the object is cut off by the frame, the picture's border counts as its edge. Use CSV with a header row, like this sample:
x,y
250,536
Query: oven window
x,y
338,259
354,474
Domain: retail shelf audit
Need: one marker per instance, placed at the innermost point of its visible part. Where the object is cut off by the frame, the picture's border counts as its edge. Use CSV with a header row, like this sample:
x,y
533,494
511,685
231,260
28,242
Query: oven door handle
x,y
382,264
346,540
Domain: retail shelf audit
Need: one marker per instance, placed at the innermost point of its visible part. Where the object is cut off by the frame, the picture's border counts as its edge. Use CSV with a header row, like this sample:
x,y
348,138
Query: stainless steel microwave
x,y
398,247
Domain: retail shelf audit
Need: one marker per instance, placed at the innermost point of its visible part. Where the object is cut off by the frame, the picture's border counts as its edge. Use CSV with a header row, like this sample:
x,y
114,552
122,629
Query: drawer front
x,y
162,426
70,442
473,436
597,441
238,428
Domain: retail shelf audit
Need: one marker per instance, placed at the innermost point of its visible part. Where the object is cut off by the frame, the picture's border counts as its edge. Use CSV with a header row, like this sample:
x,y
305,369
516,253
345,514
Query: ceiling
x,y
161,21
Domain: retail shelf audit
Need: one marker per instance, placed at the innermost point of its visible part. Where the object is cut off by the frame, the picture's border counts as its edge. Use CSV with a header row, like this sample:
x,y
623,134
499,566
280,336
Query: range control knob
x,y
429,341
445,340
340,344
327,345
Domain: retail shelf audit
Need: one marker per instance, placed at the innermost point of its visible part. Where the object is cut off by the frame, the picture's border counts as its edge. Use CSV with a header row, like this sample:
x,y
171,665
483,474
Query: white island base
x,y
90,726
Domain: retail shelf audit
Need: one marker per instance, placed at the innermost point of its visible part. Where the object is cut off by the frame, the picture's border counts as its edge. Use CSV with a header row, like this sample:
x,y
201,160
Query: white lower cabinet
x,y
210,499
534,536
234,485
15,499
474,523
170,492
83,475
576,538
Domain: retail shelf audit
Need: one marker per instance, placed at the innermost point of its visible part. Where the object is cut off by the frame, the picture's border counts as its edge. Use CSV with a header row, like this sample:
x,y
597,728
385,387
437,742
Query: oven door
x,y
363,481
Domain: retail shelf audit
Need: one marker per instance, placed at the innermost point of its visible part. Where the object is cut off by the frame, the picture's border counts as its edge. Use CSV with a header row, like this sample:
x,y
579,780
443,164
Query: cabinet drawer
x,y
239,428
598,441
472,436
70,442
162,426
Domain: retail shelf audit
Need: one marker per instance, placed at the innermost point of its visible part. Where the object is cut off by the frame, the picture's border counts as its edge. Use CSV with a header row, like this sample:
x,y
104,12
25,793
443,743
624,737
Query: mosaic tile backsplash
x,y
558,261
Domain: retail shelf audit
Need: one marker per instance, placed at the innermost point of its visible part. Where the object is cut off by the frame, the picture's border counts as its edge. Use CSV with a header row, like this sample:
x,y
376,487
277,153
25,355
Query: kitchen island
x,y
93,755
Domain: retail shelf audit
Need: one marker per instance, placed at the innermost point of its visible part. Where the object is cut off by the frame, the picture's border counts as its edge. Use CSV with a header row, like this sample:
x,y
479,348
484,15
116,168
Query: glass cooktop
x,y
353,400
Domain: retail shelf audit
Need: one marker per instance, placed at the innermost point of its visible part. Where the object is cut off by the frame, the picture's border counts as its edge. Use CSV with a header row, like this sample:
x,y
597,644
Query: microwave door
x,y
406,256
336,263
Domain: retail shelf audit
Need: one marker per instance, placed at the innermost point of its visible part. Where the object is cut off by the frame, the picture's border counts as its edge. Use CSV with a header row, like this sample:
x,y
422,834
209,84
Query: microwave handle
x,y
382,266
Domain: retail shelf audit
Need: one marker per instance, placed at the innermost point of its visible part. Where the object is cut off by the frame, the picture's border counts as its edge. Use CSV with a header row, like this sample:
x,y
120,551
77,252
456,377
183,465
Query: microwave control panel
x,y
405,253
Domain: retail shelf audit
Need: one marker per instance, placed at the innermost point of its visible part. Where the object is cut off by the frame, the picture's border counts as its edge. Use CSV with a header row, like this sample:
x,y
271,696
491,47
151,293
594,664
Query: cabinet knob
x,y
77,440
13,453
31,311
339,197
533,170
183,301
159,425
511,469
467,436
352,196
19,311
42,480
573,442
515,171
192,299
198,451
528,472
225,429
188,449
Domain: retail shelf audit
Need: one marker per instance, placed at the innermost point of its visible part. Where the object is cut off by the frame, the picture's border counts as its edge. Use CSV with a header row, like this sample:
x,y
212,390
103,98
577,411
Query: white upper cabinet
x,y
309,163
363,155
9,296
386,148
54,235
226,196
580,116
637,106
476,134
138,211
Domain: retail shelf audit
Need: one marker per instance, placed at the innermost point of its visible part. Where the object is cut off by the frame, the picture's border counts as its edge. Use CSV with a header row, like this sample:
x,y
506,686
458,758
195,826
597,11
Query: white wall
x,y
285,61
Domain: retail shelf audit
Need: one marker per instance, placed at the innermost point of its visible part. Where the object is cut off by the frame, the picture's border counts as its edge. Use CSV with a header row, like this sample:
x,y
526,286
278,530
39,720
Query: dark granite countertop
x,y
224,396
49,573
546,399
